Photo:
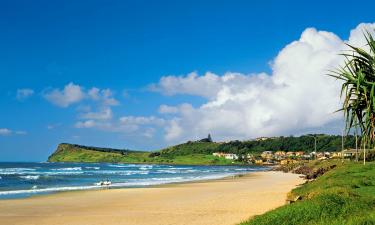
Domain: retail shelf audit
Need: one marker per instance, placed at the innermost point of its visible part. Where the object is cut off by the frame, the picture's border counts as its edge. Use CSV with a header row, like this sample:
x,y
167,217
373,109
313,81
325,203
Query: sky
x,y
147,74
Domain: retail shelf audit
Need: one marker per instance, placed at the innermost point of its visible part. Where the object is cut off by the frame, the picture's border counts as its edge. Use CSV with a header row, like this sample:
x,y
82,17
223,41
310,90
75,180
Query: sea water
x,y
20,180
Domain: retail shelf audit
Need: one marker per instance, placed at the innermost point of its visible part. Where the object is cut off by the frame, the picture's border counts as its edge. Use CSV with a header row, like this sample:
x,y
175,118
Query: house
x,y
267,155
319,155
336,155
261,138
291,154
306,156
287,161
299,153
249,156
225,155
280,153
269,162
218,154
350,153
231,156
259,161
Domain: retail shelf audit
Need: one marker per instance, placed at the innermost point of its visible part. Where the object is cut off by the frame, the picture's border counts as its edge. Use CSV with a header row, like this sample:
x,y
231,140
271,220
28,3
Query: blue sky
x,y
121,48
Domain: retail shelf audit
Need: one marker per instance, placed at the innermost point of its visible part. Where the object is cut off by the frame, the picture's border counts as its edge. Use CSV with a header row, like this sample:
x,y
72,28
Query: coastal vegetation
x,y
199,152
343,195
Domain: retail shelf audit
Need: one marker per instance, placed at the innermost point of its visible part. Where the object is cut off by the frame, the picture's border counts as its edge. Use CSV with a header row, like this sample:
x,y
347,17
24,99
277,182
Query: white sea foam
x,y
167,171
63,173
92,167
44,190
146,167
182,168
122,172
30,177
68,169
10,171
123,166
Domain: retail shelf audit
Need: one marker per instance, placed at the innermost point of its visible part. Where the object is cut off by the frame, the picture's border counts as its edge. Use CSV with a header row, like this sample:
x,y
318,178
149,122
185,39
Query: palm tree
x,y
358,91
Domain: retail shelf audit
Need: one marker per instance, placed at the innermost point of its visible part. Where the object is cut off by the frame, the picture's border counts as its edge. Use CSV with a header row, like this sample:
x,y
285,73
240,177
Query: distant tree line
x,y
304,143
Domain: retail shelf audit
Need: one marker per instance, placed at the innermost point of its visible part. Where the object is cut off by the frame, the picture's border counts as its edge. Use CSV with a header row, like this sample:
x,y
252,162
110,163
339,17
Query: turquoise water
x,y
20,180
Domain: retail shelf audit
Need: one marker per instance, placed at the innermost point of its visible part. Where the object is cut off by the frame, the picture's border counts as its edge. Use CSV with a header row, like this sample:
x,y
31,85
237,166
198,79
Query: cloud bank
x,y
296,96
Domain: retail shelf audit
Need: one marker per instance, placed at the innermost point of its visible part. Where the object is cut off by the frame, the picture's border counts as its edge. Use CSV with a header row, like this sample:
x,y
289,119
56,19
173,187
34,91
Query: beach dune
x,y
226,201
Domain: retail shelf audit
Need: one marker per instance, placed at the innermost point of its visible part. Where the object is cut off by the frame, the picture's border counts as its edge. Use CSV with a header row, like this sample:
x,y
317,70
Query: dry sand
x,y
226,201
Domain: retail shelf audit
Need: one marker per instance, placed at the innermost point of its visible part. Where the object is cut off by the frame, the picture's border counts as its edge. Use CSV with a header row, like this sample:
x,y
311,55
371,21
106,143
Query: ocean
x,y
21,180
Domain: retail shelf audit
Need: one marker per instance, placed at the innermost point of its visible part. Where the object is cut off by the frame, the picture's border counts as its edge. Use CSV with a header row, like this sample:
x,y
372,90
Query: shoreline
x,y
227,200
114,187
163,163
229,177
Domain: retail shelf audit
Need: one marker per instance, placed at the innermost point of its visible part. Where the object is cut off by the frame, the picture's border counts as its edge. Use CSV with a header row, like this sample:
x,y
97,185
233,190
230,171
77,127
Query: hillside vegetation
x,y
77,153
343,195
197,152
302,143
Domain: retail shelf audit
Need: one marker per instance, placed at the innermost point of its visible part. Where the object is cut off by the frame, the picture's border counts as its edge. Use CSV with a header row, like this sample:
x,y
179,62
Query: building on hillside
x,y
280,153
269,162
231,156
225,155
306,156
336,155
290,154
218,154
261,138
350,153
249,156
259,161
299,153
287,161
267,155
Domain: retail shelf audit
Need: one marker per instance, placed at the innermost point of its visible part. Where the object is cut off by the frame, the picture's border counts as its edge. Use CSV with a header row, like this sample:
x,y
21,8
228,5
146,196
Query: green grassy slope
x,y
197,152
76,153
344,195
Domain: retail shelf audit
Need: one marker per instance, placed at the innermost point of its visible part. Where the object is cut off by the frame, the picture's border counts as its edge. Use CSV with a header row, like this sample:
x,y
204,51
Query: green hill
x,y
78,153
198,152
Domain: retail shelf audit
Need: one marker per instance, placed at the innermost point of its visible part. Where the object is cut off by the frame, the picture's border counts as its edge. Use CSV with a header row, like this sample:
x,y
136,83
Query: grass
x,y
344,195
69,153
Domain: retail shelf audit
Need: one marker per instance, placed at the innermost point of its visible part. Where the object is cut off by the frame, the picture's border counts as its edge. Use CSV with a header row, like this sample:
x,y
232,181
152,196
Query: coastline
x,y
222,201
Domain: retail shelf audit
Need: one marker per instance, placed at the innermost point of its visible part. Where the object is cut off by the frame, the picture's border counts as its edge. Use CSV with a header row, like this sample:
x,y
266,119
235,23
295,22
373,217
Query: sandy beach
x,y
219,202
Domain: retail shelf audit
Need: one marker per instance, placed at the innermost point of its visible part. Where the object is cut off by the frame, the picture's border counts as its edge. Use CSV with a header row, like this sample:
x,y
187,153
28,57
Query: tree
x,y
358,90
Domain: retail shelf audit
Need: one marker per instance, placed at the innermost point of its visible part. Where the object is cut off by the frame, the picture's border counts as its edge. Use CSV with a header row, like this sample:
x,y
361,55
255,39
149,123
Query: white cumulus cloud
x,y
166,109
104,96
104,114
296,96
71,93
85,124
